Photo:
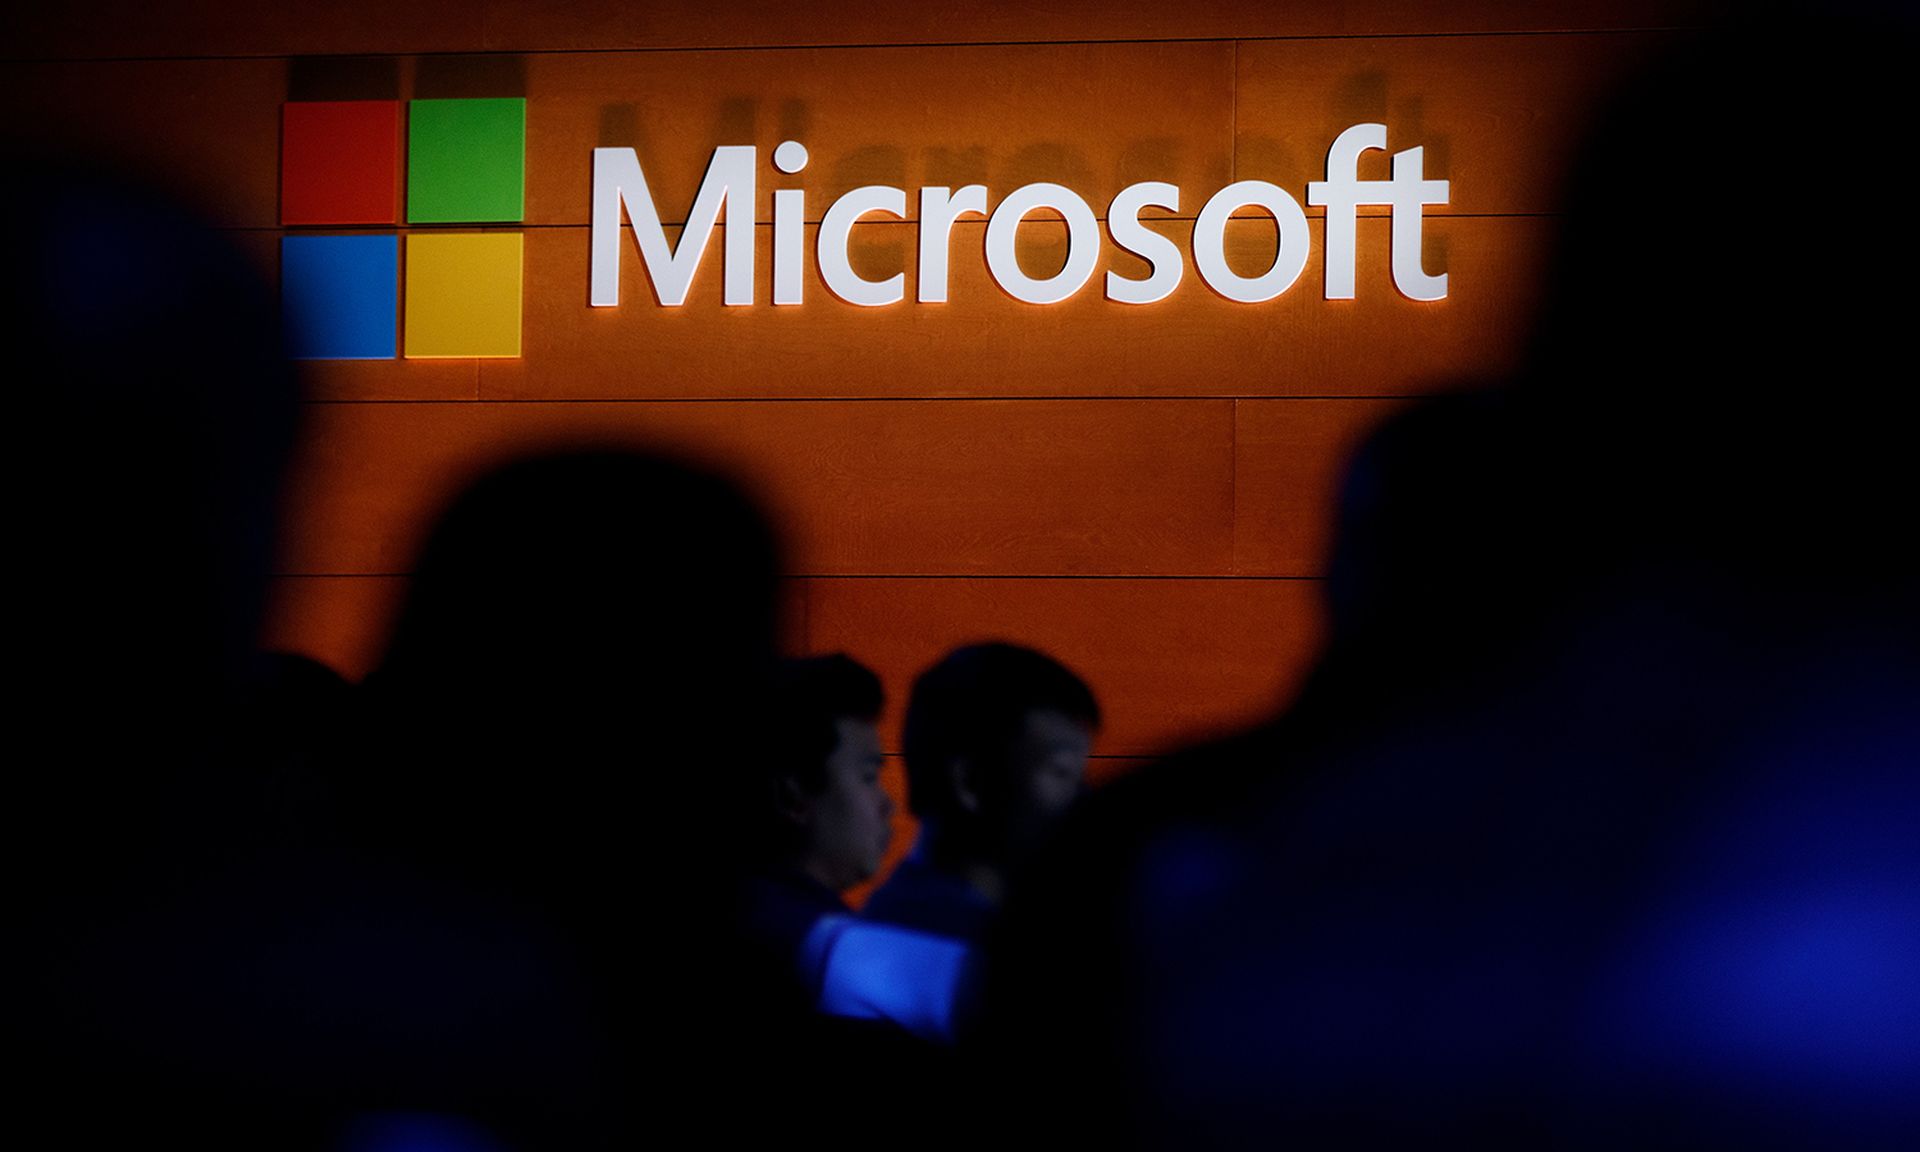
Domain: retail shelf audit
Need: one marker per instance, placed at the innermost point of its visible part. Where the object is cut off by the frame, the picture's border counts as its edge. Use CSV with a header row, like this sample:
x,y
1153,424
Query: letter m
x,y
618,181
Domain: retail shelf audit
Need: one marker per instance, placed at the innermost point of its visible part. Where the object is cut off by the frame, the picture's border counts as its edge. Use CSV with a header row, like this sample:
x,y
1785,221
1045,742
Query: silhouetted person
x,y
579,627
146,469
147,489
298,728
1593,827
555,762
996,743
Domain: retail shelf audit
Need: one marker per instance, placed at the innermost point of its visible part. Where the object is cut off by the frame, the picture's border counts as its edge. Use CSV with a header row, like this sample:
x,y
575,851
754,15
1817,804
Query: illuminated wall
x,y
1143,490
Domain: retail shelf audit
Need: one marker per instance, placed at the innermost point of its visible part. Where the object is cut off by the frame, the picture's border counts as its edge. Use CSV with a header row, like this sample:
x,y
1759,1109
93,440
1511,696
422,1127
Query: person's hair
x,y
811,693
971,705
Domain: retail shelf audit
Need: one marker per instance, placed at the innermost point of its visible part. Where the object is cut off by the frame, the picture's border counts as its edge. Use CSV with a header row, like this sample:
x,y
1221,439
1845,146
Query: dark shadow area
x,y
620,128
468,77
553,762
343,78
1593,827
153,419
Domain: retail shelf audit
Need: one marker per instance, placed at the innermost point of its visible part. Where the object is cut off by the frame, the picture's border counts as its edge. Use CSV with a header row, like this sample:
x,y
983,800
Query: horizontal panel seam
x,y
1210,578
339,229
1051,398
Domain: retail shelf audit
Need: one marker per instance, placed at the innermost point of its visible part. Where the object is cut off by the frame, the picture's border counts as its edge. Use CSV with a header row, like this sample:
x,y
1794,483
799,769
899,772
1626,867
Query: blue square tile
x,y
340,296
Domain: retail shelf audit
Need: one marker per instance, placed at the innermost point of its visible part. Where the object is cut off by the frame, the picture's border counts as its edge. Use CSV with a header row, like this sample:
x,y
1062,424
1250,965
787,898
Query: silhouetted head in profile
x,y
829,818
821,818
996,742
559,708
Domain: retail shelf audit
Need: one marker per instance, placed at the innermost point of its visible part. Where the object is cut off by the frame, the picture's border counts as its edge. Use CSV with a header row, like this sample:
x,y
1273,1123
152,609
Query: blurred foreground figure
x,y
155,415
563,793
550,786
1599,824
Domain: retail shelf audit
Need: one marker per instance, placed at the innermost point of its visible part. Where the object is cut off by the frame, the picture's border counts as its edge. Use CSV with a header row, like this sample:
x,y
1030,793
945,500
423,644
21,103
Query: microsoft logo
x,y
340,167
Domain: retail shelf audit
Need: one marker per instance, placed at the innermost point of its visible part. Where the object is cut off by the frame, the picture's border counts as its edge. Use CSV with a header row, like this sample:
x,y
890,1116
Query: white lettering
x,y
1210,241
1163,258
618,182
620,186
1342,193
938,209
1411,192
835,230
789,227
1083,243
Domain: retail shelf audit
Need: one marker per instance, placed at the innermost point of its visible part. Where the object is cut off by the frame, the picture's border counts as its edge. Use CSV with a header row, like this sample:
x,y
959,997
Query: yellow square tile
x,y
463,294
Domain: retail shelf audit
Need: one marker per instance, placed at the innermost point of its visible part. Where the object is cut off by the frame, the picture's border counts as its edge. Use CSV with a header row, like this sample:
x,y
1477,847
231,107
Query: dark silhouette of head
x,y
560,701
996,743
1711,365
830,816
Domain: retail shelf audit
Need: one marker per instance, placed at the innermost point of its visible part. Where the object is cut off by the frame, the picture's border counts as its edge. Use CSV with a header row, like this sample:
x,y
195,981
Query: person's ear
x,y
966,785
795,806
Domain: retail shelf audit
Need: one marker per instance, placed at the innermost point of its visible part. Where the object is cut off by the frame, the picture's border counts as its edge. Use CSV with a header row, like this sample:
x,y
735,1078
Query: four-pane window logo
x,y
347,295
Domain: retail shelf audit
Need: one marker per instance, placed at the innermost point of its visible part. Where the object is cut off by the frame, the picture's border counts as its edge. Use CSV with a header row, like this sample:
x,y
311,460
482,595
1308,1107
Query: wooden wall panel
x,y
983,342
989,487
346,380
1498,116
1095,117
93,28
1168,659
1501,111
206,130
188,28
342,621
609,23
1288,460
1144,491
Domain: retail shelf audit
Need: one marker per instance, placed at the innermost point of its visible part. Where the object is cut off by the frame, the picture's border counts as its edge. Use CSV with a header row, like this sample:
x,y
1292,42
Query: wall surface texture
x,y
1145,491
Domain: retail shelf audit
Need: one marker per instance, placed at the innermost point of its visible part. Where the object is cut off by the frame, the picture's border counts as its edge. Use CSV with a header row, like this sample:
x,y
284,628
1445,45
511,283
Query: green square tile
x,y
466,161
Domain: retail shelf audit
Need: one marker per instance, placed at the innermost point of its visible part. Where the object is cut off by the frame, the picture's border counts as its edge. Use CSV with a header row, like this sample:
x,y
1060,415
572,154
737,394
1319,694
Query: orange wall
x,y
1143,491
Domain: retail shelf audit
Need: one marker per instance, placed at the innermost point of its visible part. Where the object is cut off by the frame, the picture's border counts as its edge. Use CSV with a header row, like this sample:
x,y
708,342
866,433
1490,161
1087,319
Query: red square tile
x,y
340,162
